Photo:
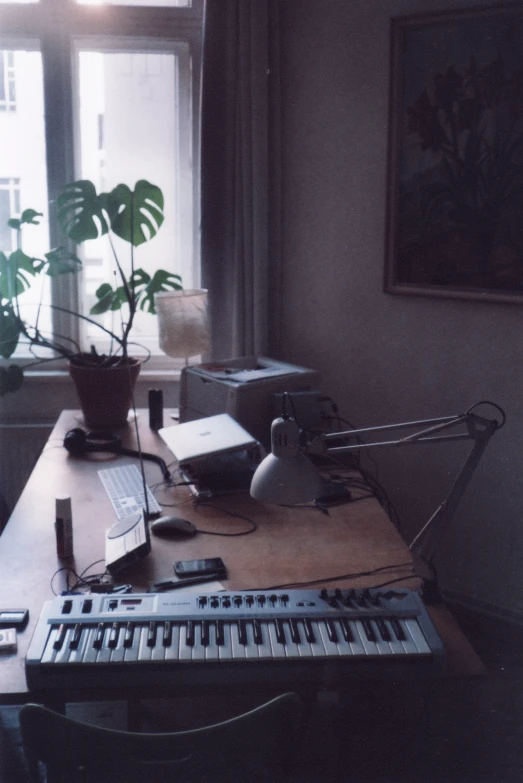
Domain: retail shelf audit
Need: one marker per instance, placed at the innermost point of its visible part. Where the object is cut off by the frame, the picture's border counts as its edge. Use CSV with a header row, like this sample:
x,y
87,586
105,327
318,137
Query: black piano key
x,y
113,636
99,636
167,633
295,631
280,631
205,633
382,628
151,634
128,636
75,638
396,627
309,630
331,630
242,632
257,631
220,635
58,642
346,630
189,636
369,630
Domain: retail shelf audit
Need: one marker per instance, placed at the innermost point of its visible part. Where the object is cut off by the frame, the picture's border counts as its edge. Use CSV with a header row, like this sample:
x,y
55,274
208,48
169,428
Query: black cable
x,y
253,524
343,576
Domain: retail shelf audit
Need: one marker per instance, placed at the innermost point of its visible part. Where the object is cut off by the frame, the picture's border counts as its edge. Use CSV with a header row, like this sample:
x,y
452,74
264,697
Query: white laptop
x,y
198,439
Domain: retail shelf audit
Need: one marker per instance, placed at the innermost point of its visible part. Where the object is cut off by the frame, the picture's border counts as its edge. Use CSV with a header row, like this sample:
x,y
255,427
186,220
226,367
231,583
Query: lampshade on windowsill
x,y
183,326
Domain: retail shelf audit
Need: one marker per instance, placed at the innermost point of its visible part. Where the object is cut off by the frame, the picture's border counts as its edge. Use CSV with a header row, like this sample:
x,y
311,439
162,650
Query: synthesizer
x,y
182,638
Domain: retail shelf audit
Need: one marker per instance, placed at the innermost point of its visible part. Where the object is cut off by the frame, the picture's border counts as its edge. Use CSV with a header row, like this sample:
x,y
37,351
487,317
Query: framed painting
x,y
455,174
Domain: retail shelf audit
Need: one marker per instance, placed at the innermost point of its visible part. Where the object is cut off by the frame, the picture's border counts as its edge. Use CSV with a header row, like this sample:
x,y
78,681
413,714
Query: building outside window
x,y
106,92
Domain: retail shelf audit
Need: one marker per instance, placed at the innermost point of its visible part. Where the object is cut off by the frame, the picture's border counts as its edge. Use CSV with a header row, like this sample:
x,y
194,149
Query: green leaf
x,y
108,299
10,379
161,281
136,216
15,273
29,215
61,261
81,211
10,331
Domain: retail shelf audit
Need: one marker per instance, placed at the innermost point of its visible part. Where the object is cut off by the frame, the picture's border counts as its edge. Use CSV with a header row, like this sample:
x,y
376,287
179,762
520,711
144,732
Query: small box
x,y
245,388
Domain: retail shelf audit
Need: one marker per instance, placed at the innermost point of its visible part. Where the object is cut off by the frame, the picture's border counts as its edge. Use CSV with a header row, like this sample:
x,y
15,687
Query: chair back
x,y
255,746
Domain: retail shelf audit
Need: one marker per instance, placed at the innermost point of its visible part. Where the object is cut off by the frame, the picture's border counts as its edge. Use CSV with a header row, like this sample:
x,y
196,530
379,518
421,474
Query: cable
x,y
253,524
342,576
82,581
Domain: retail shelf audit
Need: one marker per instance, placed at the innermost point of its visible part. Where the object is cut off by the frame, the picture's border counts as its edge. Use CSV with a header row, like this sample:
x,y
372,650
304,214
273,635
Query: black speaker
x,y
78,443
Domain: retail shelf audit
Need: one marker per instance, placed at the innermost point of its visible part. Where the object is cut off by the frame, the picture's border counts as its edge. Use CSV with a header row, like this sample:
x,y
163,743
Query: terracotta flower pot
x,y
105,389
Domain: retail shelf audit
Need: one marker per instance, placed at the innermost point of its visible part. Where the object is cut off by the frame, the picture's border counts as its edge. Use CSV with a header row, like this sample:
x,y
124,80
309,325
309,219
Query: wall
x,y
388,358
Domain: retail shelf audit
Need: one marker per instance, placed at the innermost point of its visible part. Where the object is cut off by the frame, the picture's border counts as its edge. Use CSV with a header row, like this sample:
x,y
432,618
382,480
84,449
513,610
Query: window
x,y
119,103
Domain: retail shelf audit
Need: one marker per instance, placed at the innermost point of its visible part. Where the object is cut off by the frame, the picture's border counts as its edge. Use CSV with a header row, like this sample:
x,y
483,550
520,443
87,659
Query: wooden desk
x,y
290,545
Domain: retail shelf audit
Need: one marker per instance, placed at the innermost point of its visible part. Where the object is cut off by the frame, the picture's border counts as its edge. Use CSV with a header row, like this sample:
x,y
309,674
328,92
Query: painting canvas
x,y
455,188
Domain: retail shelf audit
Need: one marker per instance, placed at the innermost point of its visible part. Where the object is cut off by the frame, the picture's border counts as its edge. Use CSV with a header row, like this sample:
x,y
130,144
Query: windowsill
x,y
62,376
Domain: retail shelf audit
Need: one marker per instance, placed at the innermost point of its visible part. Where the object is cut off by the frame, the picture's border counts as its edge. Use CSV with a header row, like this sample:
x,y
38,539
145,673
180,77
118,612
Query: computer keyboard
x,y
124,486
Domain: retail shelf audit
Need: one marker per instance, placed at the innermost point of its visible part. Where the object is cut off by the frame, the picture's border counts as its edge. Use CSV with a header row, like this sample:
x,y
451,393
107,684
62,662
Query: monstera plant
x,y
133,215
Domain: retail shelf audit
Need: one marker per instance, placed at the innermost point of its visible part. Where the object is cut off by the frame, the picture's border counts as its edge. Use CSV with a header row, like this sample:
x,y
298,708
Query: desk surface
x,y
290,545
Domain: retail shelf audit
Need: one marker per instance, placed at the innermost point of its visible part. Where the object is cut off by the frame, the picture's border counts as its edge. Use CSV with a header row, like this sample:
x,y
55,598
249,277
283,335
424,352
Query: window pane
x,y
23,176
135,123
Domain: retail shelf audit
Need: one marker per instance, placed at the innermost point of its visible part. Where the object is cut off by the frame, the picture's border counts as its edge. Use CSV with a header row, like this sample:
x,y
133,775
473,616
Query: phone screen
x,y
208,565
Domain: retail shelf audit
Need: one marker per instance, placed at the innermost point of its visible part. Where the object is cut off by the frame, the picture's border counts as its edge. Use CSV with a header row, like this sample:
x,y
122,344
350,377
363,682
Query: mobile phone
x,y
210,565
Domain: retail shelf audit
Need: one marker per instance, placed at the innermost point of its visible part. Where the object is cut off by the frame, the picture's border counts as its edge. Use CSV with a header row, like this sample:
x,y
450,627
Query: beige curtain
x,y
240,174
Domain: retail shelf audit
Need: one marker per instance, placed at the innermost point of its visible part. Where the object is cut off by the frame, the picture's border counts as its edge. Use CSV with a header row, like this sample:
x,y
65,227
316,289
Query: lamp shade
x,y
286,475
183,326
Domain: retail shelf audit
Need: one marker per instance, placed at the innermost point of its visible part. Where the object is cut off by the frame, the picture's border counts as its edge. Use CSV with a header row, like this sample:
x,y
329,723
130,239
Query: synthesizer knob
x,y
324,594
238,600
261,600
226,603
249,600
215,603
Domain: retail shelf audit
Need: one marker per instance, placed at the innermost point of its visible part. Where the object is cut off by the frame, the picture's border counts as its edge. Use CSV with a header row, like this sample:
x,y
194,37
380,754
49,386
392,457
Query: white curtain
x,y
240,175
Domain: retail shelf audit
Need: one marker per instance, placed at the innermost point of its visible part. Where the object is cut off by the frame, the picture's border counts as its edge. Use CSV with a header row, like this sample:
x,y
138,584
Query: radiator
x,y
20,447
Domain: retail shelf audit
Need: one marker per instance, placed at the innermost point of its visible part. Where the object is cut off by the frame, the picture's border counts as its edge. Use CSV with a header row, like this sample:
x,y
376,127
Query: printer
x,y
246,388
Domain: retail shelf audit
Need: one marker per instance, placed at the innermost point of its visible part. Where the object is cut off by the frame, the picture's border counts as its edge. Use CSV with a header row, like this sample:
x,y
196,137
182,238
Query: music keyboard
x,y
184,638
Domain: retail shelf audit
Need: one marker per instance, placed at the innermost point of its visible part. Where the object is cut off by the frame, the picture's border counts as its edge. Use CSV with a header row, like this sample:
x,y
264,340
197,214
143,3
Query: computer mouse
x,y
174,527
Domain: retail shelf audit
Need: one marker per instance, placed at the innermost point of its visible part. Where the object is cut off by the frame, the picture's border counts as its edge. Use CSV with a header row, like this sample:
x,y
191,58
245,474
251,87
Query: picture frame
x,y
454,225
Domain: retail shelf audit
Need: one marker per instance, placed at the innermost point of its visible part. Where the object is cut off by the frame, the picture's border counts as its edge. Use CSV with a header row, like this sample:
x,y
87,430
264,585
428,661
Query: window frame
x,y
57,29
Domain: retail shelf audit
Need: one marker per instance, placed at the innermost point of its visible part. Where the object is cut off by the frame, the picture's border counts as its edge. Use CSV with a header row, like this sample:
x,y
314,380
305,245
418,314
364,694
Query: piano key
x,y
238,647
131,652
114,632
330,647
278,649
295,633
417,636
90,651
343,645
291,648
77,654
382,646
368,628
317,646
242,632
356,643
251,648
172,651
368,645
151,634
304,648
309,630
167,632
219,633
346,630
408,643
76,636
395,644
144,650
185,650
225,648
331,629
264,646
399,633
128,635
189,633
280,631
211,648
60,636
62,655
257,631
99,635
118,651
198,648
383,629
104,653
205,632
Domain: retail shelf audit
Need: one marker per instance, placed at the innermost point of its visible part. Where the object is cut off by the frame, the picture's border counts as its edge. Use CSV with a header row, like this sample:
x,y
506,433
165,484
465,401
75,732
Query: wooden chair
x,y
255,746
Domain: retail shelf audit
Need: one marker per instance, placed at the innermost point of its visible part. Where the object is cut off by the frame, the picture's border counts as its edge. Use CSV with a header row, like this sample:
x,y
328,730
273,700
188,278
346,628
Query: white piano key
x,y
225,649
368,646
331,648
356,644
62,655
251,648
408,643
76,656
395,645
304,648
343,645
185,650
417,636
90,652
238,650
264,647
172,651
291,648
144,651
278,649
131,653
317,647
104,653
49,653
198,649
118,652
382,646
211,650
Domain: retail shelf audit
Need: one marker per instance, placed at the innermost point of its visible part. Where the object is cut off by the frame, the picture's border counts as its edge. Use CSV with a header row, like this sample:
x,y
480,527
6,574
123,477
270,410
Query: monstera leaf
x,y
28,216
109,298
136,216
81,211
61,261
11,379
161,281
10,330
16,273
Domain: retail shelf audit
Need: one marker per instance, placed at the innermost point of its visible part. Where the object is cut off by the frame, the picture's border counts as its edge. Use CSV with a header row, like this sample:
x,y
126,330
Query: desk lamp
x,y
287,476
182,322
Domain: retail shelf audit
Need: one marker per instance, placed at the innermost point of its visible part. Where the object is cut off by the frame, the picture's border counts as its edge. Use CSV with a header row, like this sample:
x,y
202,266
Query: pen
x,y
171,584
